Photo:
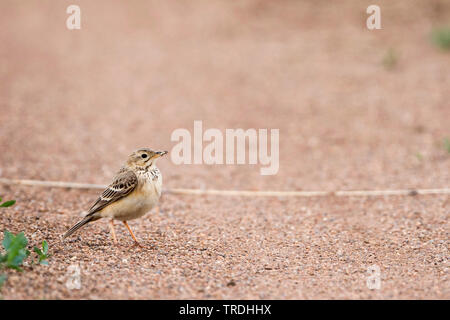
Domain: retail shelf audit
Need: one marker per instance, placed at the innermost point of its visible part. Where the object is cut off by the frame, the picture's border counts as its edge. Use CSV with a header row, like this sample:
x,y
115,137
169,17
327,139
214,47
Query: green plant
x,y
3,277
15,247
390,59
7,203
441,38
42,254
16,250
447,144
419,156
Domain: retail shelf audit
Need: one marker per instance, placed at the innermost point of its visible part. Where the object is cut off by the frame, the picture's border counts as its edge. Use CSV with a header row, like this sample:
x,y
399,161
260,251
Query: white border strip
x,y
244,193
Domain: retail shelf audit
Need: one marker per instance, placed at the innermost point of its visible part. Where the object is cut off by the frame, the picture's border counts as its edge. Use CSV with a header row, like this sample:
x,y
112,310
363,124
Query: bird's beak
x,y
161,153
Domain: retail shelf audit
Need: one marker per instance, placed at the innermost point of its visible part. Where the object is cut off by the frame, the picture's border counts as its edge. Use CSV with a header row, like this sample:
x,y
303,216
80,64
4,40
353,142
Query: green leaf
x,y
17,260
22,241
447,144
8,203
441,37
42,254
15,246
38,251
7,239
0,199
45,246
2,278
15,268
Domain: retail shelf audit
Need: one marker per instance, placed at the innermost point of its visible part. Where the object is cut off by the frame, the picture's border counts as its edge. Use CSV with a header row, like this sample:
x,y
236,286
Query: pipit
x,y
134,191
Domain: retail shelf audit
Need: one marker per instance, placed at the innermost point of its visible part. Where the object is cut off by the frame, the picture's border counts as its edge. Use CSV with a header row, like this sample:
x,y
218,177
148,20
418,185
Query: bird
x,y
135,190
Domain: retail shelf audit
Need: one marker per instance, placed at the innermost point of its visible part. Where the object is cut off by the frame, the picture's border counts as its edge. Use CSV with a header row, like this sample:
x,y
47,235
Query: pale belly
x,y
136,204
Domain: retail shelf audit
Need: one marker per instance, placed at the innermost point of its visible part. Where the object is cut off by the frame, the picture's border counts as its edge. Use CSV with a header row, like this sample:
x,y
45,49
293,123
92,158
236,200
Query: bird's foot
x,y
137,244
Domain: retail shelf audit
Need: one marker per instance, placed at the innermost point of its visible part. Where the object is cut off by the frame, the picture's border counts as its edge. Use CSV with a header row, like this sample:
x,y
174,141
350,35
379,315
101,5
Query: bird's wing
x,y
125,182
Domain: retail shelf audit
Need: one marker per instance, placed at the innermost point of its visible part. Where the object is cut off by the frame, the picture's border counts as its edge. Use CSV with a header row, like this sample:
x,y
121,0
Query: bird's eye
x,y
144,156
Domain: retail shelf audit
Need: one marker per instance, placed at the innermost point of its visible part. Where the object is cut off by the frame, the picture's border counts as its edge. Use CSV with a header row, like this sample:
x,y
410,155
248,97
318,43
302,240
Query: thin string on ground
x,y
244,193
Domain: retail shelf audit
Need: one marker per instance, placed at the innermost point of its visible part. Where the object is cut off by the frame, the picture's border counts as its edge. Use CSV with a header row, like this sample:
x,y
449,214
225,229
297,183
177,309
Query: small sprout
x,y
7,203
42,254
16,250
441,38
419,156
447,144
390,59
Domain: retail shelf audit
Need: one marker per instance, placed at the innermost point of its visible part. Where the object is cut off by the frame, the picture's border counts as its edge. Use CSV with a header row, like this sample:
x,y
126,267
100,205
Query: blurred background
x,y
356,109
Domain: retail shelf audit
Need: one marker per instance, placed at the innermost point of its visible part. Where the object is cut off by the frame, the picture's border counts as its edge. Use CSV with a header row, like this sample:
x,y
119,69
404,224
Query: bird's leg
x,y
132,235
113,233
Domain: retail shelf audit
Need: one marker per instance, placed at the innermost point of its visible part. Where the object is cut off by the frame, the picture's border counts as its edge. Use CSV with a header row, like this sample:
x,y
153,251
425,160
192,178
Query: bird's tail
x,y
78,225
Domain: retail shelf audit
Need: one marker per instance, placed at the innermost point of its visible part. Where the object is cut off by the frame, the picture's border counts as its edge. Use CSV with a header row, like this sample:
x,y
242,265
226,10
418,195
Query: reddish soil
x,y
74,104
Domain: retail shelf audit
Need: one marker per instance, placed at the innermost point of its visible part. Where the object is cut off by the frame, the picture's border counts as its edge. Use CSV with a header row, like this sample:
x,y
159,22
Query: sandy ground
x,y
74,104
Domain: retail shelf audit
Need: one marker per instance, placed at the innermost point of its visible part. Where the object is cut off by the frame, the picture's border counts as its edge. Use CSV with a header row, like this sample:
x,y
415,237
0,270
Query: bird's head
x,y
144,158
